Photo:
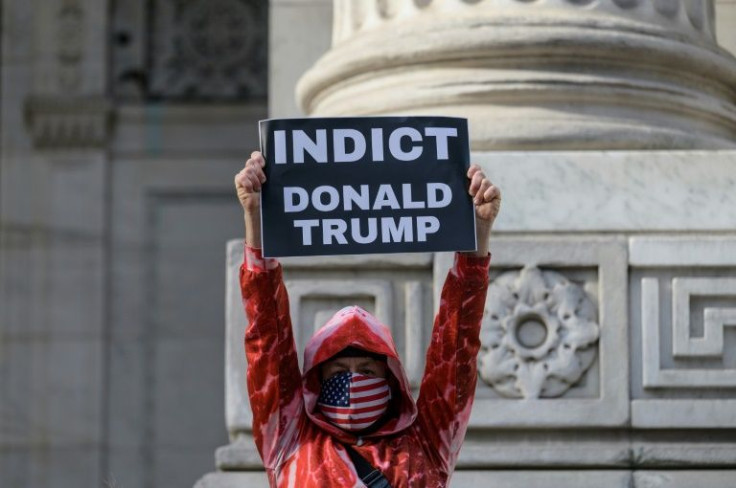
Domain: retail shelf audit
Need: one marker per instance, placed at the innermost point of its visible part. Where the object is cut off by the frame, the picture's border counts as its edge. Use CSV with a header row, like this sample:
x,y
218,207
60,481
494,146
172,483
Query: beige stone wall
x,y
114,214
726,24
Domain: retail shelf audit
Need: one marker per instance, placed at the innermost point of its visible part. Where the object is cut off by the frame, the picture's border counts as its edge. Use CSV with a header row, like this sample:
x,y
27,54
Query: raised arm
x,y
448,386
273,376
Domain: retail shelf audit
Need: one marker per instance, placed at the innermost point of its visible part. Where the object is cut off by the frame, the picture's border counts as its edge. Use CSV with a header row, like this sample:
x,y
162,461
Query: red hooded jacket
x,y
418,446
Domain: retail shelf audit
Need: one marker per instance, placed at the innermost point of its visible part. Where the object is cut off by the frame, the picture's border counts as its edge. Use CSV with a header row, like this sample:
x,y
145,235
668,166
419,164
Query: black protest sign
x,y
365,185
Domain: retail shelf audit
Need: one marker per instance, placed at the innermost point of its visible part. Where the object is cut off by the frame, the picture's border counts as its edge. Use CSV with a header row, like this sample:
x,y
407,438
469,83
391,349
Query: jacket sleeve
x,y
273,376
448,385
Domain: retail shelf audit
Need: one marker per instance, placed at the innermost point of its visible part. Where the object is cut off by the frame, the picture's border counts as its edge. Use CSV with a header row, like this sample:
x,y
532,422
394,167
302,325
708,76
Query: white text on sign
x,y
326,198
351,145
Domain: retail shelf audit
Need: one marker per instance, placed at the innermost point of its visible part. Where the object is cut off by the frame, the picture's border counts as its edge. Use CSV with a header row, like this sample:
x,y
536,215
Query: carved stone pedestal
x,y
607,344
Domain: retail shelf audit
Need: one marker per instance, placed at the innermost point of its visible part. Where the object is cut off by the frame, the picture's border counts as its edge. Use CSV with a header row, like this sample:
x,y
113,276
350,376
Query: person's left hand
x,y
486,196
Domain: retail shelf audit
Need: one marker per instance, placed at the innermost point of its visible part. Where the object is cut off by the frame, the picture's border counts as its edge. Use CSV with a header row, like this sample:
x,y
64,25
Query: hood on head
x,y
354,327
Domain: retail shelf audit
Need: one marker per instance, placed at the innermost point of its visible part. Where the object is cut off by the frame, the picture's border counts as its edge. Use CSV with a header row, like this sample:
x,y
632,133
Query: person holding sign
x,y
349,419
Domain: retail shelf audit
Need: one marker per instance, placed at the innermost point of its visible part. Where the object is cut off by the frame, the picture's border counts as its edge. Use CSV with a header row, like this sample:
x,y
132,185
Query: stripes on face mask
x,y
353,401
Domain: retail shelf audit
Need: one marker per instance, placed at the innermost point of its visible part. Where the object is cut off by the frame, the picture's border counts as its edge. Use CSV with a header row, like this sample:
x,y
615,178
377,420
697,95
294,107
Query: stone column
x,y
560,74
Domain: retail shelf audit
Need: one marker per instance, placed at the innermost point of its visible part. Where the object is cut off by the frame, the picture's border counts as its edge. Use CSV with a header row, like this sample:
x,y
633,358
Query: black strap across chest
x,y
370,475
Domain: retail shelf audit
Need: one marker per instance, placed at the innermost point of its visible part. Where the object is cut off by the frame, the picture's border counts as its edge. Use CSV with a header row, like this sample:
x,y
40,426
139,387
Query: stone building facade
x,y
609,344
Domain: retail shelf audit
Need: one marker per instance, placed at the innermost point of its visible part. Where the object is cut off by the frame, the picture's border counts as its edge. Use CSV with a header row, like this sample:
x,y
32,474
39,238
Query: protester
x,y
349,419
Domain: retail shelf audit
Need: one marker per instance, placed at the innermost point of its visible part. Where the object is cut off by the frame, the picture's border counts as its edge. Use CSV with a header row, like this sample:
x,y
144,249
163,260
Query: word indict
x,y
351,145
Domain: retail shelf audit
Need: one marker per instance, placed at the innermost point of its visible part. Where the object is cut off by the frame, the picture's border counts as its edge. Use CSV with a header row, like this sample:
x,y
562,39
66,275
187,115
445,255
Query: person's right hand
x,y
249,180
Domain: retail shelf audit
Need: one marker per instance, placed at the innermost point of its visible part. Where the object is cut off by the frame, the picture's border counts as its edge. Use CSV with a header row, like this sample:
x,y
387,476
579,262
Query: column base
x,y
528,479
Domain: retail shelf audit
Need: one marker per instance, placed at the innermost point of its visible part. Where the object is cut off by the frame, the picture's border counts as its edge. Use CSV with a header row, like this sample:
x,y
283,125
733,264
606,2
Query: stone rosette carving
x,y
211,49
538,336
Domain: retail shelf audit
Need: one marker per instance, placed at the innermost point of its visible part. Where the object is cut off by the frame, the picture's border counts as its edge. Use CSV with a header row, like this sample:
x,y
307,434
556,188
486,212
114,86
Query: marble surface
x,y
622,191
725,22
699,250
300,32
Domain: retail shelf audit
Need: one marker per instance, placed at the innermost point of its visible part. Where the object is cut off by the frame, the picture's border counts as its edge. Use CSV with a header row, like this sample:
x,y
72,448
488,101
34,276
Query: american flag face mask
x,y
354,401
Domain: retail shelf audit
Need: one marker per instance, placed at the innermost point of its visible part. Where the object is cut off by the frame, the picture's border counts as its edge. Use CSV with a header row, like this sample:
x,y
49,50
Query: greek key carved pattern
x,y
711,344
538,335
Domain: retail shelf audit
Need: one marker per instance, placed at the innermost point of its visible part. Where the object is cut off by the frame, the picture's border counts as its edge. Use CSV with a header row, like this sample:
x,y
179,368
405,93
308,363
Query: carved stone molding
x,y
596,266
208,49
684,312
70,47
690,17
68,123
608,74
538,335
715,320
684,346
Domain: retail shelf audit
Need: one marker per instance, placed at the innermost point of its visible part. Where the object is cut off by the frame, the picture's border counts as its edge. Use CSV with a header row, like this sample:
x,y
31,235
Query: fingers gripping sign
x,y
249,180
487,201
486,196
248,184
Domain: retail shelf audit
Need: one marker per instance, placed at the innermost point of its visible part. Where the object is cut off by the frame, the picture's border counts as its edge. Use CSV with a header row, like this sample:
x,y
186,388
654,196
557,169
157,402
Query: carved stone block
x,y
711,344
539,334
715,319
69,123
208,49
568,293
683,303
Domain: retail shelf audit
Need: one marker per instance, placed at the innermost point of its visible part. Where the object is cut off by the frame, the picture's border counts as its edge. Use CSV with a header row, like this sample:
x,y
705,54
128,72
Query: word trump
x,y
393,229
348,198
351,145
